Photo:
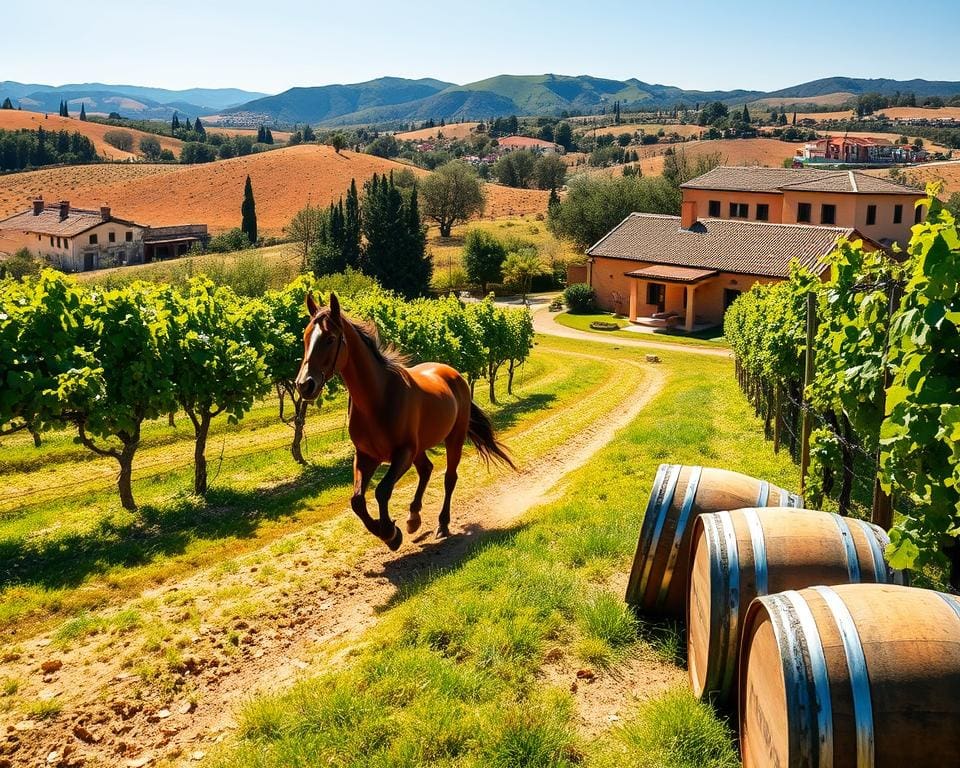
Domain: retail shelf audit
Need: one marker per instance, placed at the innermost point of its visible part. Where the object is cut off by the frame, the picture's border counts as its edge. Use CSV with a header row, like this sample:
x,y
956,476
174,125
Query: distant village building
x,y
79,239
685,271
859,149
510,143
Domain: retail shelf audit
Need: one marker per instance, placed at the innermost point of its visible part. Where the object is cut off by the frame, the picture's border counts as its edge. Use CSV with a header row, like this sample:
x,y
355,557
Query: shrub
x,y
20,265
581,299
122,140
231,240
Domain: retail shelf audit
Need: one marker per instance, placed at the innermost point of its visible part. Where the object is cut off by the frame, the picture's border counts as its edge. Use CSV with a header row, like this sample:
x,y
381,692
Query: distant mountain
x,y
389,99
859,85
327,103
128,100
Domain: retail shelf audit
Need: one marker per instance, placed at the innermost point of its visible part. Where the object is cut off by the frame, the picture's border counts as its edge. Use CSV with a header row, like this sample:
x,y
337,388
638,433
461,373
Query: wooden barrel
x,y
739,555
658,579
851,676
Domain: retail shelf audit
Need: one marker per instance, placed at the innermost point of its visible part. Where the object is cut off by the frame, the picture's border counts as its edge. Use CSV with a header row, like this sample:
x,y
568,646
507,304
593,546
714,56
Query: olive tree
x,y
451,194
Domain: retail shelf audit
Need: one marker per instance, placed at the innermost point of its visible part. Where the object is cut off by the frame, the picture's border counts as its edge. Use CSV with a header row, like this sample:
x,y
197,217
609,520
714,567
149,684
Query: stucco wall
x,y
703,197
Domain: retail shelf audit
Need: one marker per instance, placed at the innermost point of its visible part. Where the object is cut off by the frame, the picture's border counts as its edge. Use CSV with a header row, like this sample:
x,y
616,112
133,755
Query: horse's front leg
x,y
363,468
401,462
424,470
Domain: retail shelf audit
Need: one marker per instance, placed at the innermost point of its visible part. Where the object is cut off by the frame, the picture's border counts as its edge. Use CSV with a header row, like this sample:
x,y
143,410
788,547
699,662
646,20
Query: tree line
x,y
883,403
103,361
25,148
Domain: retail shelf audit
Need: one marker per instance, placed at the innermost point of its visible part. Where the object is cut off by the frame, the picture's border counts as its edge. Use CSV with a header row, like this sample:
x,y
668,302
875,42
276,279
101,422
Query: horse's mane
x,y
388,355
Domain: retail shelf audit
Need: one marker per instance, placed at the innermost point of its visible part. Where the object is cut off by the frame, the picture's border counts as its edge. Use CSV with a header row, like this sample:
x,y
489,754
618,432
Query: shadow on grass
x,y
161,531
166,530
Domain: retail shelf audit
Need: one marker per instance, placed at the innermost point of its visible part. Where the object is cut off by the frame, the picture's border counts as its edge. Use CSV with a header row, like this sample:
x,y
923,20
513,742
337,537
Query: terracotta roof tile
x,y
48,222
727,245
673,274
760,179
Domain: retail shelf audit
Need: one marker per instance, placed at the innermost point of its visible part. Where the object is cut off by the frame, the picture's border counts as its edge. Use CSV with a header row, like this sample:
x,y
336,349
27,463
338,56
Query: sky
x,y
263,46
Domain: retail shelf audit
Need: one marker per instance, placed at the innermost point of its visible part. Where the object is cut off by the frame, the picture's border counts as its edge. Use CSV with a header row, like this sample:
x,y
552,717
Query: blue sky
x,y
271,46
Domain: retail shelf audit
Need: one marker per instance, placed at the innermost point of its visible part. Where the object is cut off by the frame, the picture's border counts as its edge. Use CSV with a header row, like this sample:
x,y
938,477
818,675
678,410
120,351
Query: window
x,y
803,213
918,215
739,210
871,215
763,212
129,237
828,214
897,213
58,243
713,208
51,241
112,236
655,293
93,239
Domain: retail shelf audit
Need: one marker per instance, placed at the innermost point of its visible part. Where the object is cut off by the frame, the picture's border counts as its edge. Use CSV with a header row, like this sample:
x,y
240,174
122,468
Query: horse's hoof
x,y
413,524
396,540
443,533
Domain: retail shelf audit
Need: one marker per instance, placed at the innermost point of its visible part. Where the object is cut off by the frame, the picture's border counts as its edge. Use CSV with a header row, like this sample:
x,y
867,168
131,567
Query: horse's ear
x,y
312,307
334,306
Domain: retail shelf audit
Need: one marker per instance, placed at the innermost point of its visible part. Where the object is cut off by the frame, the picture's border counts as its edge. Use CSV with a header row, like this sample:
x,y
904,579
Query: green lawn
x,y
710,337
453,675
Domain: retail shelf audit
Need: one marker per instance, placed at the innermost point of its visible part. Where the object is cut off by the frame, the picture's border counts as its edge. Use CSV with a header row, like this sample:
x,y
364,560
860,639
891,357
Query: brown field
x,y
615,130
844,114
284,180
768,152
948,174
918,113
15,119
278,136
827,99
452,131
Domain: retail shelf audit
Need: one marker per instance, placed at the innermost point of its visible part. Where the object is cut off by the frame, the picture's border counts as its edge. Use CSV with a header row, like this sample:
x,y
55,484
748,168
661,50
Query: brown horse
x,y
396,414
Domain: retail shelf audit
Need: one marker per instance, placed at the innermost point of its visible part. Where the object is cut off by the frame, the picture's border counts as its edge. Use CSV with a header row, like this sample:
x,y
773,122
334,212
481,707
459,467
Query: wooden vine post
x,y
882,511
808,370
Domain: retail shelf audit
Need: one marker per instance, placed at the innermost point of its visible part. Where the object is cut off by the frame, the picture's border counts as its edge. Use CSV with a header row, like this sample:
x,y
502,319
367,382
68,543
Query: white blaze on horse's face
x,y
308,379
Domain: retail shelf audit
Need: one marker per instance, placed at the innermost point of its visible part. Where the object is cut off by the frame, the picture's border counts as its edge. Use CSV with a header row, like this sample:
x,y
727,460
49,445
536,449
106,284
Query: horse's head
x,y
323,347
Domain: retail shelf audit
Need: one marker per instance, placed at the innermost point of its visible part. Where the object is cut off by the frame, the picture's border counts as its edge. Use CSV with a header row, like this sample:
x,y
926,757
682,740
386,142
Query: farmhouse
x,y
510,143
78,239
682,270
879,209
860,149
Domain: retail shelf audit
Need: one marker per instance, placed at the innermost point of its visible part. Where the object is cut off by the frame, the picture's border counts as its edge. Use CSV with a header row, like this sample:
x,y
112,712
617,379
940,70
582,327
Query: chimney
x,y
38,205
688,214
64,209
105,212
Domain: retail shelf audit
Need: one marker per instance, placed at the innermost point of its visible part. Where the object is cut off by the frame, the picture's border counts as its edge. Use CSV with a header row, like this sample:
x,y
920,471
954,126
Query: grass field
x,y
474,666
948,175
710,337
648,128
452,131
15,119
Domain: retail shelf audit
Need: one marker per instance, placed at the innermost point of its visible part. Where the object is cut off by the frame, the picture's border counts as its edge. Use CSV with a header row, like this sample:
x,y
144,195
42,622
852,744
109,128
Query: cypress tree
x,y
248,211
351,227
66,109
189,125
267,136
175,124
83,113
794,117
7,104
746,115
260,135
198,128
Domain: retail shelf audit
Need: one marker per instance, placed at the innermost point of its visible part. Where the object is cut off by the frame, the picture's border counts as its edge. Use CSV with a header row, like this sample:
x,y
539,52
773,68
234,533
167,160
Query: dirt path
x,y
327,594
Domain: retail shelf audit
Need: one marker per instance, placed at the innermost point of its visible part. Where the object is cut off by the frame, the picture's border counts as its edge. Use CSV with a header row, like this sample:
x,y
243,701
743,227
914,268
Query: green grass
x,y
69,553
672,731
43,710
9,686
710,337
450,674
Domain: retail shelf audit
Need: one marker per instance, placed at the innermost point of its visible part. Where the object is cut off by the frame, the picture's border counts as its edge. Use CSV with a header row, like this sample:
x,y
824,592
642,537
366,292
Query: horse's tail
x,y
481,434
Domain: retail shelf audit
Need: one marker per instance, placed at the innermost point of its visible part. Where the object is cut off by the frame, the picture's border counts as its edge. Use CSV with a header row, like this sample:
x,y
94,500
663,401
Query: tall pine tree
x,y
83,113
248,211
175,124
199,129
746,115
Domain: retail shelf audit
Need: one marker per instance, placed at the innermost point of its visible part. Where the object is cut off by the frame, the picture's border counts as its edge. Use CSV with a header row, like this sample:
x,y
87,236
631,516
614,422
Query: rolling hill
x,y
128,100
397,100
17,119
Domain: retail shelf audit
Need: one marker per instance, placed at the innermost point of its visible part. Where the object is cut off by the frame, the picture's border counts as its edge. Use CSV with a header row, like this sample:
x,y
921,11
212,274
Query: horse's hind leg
x,y
363,468
424,469
454,444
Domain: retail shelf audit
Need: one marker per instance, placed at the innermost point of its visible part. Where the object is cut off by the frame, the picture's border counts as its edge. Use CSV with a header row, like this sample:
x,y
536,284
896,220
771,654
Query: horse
x,y
396,414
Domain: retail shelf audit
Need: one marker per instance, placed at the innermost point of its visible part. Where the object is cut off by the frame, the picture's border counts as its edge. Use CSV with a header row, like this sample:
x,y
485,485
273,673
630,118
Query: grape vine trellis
x,y
885,394
104,361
